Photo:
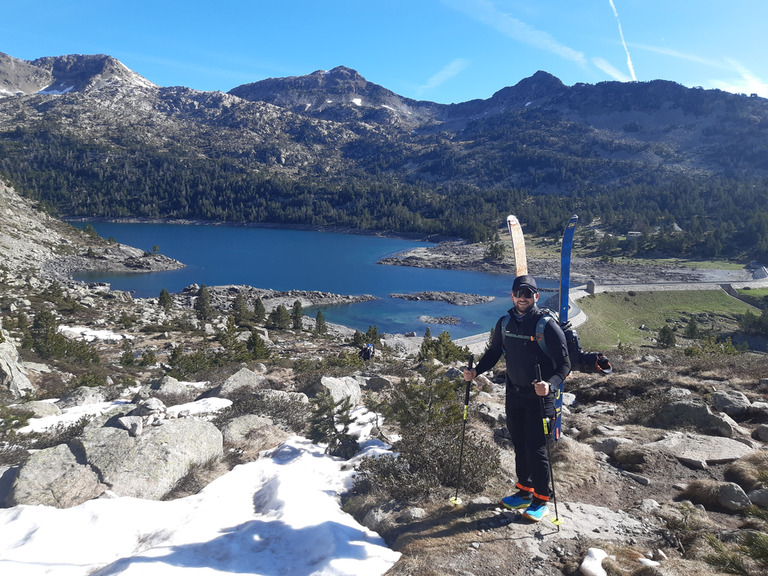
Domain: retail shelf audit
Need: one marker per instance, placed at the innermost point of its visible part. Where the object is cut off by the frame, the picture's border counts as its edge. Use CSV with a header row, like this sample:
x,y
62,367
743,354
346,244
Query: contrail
x,y
621,33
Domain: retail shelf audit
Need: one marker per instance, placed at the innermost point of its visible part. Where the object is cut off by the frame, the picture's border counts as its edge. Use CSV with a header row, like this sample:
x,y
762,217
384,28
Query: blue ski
x,y
565,269
565,287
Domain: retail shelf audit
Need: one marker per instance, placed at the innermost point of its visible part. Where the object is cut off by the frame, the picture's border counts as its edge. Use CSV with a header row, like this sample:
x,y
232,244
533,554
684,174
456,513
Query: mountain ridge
x,y
331,148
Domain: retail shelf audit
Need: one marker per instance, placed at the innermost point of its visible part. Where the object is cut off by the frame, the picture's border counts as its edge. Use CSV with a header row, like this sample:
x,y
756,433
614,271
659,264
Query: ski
x,y
518,245
565,269
564,306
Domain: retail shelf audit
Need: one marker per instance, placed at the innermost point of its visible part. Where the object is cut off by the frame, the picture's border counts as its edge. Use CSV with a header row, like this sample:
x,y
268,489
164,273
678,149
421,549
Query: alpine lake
x,y
290,259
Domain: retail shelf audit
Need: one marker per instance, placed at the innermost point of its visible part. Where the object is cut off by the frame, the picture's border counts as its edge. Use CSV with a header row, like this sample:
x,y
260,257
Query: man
x,y
528,400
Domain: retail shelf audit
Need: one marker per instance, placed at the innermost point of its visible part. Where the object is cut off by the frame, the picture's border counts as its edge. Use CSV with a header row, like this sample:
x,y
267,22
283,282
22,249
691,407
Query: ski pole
x,y
456,500
557,520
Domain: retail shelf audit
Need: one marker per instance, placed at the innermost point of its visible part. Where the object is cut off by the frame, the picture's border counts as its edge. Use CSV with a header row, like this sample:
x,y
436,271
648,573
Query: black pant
x,y
524,421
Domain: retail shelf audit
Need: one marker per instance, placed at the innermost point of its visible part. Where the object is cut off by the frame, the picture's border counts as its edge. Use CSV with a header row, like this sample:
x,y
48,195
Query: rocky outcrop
x,y
31,240
108,458
695,413
457,298
456,255
13,376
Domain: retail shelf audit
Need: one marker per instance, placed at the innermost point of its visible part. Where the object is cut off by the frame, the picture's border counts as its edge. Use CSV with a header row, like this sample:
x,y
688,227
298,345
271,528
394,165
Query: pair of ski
x,y
521,268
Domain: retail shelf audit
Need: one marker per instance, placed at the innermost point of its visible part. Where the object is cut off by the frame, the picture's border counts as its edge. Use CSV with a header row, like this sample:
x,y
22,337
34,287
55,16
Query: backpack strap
x,y
541,324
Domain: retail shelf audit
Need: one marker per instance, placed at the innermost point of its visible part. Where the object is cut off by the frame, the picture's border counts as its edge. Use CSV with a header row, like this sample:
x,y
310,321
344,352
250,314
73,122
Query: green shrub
x,y
284,412
330,422
429,415
427,459
441,348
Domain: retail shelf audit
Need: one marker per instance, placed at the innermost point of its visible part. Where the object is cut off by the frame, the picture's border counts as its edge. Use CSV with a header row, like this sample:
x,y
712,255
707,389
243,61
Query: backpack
x,y
580,361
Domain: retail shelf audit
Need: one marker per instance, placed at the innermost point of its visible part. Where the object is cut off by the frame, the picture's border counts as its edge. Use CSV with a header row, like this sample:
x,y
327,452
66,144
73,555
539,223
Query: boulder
x,y
149,465
236,430
81,396
732,497
732,402
7,476
492,413
693,413
243,378
699,451
55,477
759,497
39,408
265,438
169,386
343,388
377,383
761,433
271,395
609,444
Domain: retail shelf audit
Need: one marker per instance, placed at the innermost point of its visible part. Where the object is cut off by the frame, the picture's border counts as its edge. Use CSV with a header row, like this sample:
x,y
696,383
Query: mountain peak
x,y
62,74
77,72
540,85
338,94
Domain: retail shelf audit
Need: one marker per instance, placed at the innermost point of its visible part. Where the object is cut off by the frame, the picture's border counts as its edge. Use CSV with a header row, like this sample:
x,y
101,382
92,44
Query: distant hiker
x,y
366,352
526,397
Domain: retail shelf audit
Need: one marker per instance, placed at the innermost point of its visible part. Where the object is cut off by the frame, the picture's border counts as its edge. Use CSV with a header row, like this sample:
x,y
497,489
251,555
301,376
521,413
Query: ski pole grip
x,y
538,373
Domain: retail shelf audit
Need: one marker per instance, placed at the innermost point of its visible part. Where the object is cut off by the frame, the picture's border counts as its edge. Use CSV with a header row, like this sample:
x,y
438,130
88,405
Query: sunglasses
x,y
524,293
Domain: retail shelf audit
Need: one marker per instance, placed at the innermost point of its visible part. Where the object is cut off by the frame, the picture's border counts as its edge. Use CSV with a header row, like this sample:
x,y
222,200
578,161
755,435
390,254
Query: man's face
x,y
524,299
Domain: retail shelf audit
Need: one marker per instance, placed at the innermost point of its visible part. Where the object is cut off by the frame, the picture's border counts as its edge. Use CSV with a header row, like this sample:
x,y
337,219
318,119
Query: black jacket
x,y
522,354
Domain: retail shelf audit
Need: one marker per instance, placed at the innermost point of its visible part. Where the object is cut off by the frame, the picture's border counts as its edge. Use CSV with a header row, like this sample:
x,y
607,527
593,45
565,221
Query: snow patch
x,y
357,101
53,91
205,406
89,335
69,416
254,519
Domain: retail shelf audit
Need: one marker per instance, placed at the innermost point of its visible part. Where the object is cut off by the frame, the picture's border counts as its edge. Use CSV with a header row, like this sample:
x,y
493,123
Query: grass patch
x,y
756,292
634,318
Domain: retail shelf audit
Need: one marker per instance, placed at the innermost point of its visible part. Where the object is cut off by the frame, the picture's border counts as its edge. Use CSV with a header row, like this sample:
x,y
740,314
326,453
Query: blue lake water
x,y
283,259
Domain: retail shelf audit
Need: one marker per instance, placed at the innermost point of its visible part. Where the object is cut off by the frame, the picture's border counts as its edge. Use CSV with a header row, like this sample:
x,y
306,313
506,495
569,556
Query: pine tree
x,y
358,339
692,330
45,338
259,312
203,304
330,422
426,351
165,299
257,347
372,336
320,326
279,318
240,310
296,315
666,338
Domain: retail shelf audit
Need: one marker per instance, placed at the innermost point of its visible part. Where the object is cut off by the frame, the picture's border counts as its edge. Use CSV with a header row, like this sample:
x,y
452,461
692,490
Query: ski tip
x,y
511,218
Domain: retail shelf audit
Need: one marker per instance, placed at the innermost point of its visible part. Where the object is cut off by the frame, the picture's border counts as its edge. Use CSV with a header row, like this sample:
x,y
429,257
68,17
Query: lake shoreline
x,y
416,237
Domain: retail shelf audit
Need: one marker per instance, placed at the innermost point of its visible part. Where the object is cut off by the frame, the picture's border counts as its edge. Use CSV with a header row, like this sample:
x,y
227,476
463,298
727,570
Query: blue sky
x,y
438,50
